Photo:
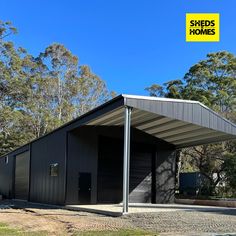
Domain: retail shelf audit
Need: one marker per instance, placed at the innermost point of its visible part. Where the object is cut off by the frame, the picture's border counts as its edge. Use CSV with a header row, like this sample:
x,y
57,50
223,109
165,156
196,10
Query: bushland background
x,y
40,93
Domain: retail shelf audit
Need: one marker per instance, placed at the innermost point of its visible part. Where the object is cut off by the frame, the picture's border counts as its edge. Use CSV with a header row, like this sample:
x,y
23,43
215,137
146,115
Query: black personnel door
x,y
84,188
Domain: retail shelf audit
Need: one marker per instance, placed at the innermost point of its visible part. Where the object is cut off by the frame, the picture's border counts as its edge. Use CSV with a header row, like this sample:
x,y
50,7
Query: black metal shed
x,y
122,151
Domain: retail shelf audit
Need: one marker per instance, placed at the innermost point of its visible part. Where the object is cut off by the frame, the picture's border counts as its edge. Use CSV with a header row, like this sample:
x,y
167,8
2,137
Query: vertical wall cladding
x,y
144,168
48,150
165,176
110,170
100,149
82,157
6,176
140,184
22,175
7,172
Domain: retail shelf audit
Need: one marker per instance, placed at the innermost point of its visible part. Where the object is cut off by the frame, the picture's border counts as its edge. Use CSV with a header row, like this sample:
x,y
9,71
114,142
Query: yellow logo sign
x,y
202,27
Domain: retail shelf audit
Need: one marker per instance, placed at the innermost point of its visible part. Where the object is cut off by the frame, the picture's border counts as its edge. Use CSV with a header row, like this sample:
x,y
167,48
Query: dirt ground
x,y
58,221
64,222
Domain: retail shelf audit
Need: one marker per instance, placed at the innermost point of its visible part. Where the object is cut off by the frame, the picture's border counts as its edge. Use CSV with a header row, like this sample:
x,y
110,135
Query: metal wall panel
x,y
110,166
49,150
92,149
82,157
6,176
110,170
22,170
141,176
165,176
52,147
7,172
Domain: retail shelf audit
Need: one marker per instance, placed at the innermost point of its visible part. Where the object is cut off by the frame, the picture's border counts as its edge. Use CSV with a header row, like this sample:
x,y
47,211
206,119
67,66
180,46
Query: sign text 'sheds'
x,y
207,27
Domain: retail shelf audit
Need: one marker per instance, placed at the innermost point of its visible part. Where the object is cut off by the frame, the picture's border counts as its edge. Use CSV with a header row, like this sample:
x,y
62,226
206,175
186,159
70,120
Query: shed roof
x,y
182,123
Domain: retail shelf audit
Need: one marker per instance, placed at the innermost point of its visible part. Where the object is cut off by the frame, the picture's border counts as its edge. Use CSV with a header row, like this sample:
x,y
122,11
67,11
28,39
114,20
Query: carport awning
x,y
182,123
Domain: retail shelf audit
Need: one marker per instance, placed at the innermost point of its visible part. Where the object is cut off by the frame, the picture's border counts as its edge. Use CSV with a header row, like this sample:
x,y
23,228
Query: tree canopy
x,y
213,82
40,93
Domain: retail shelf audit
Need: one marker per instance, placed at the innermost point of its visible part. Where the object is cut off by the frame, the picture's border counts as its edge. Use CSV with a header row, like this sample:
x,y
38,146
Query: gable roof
x,y
182,123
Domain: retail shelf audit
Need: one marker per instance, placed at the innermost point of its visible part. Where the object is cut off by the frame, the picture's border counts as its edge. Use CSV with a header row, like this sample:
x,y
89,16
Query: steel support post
x,y
126,168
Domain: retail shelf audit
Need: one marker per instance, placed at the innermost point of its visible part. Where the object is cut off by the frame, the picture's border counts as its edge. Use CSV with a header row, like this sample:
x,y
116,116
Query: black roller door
x,y
22,176
140,177
110,172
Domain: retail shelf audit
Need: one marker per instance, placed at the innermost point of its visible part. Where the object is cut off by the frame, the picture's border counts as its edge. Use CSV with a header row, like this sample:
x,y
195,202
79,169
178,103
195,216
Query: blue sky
x,y
129,44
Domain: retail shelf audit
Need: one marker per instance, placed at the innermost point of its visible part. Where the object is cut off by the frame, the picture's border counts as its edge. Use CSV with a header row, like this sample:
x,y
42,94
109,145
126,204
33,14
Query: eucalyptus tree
x,y
213,82
13,91
40,93
75,89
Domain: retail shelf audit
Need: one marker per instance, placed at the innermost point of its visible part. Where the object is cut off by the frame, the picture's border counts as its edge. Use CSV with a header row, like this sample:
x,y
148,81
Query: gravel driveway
x,y
187,222
217,221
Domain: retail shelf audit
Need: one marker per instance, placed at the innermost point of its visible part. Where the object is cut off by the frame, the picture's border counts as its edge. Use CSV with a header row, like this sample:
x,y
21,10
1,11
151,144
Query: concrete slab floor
x,y
116,209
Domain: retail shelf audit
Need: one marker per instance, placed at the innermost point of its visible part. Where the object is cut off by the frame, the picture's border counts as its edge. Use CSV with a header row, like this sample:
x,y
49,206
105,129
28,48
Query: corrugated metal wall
x,y
165,176
152,173
84,151
141,176
83,154
82,157
22,170
49,150
43,187
110,170
6,176
7,173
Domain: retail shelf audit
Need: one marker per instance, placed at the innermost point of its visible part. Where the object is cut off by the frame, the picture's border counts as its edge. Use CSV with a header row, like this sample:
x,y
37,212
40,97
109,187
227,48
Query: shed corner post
x,y
126,168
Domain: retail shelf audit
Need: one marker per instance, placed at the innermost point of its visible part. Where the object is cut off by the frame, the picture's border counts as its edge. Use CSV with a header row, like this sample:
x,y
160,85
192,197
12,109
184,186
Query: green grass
x,y
7,231
122,232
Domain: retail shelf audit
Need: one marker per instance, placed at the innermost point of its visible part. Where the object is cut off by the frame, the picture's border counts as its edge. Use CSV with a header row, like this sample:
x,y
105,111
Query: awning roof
x,y
182,123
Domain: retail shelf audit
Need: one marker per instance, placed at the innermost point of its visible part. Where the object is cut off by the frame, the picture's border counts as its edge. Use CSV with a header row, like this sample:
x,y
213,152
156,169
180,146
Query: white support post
x,y
127,125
